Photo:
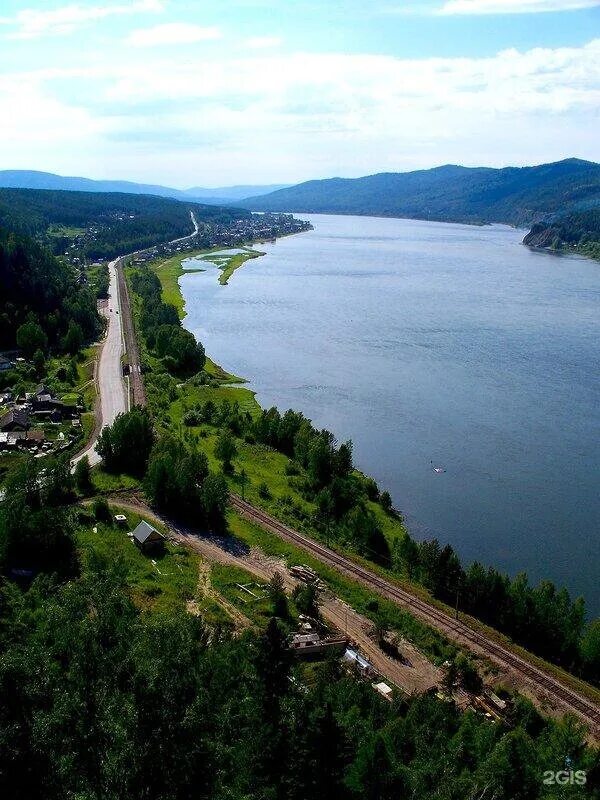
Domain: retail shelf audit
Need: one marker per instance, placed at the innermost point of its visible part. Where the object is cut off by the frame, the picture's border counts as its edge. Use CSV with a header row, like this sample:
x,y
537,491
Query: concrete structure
x,y
384,690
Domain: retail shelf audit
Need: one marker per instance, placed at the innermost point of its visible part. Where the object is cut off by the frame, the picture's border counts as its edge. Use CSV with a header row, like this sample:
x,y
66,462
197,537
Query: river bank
x,y
265,475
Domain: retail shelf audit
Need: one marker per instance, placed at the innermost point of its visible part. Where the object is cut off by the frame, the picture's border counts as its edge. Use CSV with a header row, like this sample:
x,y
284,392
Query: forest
x,y
102,700
42,305
103,224
513,195
542,618
579,230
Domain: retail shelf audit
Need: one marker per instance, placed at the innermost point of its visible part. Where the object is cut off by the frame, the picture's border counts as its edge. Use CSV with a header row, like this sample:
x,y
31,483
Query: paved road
x,y
109,376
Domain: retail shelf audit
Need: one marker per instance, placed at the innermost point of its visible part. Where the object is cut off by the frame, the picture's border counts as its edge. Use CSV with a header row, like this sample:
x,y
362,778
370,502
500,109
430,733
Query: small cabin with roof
x,y
148,539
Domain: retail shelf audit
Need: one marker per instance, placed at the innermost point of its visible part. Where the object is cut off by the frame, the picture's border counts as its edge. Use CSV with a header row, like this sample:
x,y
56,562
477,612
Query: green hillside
x,y
513,195
579,231
110,223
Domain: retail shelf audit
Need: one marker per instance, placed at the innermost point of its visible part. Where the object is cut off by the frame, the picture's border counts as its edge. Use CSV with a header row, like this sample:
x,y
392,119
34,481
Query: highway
x,y
109,372
119,338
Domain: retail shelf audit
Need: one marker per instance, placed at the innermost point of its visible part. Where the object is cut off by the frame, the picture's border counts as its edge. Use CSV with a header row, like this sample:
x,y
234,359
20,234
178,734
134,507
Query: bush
x,y
102,511
371,489
386,502
264,491
191,418
83,477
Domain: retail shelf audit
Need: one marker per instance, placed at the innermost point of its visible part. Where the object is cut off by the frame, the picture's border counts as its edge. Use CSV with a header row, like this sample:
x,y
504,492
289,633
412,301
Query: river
x,y
435,345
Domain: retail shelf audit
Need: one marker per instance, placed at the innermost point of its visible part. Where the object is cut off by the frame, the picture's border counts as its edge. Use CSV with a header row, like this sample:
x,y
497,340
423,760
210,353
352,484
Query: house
x,y
5,363
14,420
148,539
311,644
44,404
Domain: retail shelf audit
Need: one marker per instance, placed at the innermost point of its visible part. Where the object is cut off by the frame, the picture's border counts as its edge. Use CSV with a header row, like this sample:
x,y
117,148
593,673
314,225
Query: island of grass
x,y
170,270
230,260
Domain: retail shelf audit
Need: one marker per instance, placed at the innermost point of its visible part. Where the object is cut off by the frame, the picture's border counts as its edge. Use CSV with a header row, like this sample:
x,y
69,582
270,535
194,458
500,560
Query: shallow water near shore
x,y
434,345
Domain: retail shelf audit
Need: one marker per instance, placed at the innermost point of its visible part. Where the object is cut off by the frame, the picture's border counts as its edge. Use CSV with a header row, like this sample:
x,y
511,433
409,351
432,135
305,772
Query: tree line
x,y
115,223
101,700
42,305
542,618
161,327
176,477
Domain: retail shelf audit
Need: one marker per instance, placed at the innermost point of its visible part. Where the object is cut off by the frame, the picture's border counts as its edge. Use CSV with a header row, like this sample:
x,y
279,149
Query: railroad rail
x,y
136,382
583,707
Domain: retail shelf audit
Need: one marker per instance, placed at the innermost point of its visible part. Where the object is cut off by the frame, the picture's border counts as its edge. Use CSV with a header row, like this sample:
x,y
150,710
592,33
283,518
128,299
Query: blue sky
x,y
205,93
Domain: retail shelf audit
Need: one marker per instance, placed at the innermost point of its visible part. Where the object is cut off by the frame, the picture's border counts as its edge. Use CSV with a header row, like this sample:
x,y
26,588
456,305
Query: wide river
x,y
431,343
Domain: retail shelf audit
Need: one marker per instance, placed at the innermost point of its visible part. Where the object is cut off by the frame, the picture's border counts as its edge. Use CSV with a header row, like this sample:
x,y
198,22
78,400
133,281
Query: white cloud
x,y
172,33
452,7
263,42
301,115
33,23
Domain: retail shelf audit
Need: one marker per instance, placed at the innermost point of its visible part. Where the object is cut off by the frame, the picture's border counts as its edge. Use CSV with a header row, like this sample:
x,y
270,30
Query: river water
x,y
435,345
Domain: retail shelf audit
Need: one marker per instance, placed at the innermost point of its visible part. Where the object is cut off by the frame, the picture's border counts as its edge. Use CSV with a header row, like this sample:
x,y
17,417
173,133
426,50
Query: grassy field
x,y
229,265
169,272
426,639
107,482
160,583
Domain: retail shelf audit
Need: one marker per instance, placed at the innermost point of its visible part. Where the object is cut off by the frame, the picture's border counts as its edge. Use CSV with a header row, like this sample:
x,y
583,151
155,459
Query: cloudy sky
x,y
260,91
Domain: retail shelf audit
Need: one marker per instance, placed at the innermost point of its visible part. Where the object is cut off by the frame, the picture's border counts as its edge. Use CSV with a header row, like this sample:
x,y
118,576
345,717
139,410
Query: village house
x,y
148,539
44,404
15,420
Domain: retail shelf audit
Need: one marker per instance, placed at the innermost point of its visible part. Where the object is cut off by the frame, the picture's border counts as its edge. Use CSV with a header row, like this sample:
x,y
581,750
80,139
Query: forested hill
x,y
222,195
579,231
41,298
110,223
513,195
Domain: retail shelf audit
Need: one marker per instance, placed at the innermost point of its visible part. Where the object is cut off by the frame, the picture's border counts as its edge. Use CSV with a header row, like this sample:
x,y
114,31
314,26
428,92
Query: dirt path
x,y
549,694
414,677
205,589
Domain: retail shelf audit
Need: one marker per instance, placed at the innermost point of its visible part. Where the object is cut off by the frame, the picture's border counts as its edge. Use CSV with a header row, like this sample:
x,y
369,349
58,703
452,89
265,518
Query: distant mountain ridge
x,y
32,179
450,193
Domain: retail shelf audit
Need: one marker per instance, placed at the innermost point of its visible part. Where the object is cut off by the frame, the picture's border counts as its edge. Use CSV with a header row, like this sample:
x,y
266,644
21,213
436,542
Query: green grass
x,y
218,373
166,586
225,578
431,643
235,262
106,482
64,230
169,272
193,395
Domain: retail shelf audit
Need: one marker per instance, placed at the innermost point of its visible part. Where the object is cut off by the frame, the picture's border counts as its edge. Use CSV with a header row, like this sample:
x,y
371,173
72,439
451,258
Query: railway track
x,y
137,391
543,683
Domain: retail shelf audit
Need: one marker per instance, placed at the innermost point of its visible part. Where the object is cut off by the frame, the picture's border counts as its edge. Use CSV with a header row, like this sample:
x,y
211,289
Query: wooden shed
x,y
148,539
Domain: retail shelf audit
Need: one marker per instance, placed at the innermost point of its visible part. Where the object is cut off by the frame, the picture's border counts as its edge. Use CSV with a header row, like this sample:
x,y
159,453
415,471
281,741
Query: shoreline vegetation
x,y
270,487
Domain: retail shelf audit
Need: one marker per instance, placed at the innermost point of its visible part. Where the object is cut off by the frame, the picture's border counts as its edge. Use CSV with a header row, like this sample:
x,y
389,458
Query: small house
x,y
148,539
14,420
